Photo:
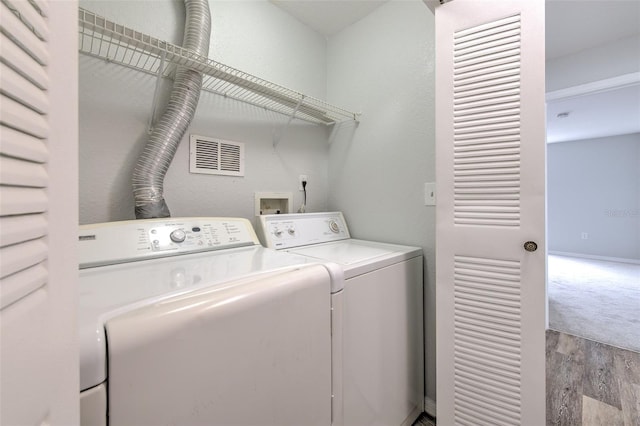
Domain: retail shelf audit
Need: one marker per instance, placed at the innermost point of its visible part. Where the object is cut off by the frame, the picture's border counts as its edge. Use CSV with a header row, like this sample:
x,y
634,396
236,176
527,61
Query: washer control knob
x,y
291,231
277,232
333,226
178,236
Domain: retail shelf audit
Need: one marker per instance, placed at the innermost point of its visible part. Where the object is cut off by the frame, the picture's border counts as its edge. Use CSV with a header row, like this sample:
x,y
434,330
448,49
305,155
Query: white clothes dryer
x,y
383,361
189,321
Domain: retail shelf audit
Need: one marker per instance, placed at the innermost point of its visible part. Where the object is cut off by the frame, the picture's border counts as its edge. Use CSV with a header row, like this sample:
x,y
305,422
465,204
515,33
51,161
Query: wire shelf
x,y
116,43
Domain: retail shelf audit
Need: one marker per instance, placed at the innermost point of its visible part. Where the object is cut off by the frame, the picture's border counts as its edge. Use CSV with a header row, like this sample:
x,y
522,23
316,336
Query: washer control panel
x,y
281,231
127,241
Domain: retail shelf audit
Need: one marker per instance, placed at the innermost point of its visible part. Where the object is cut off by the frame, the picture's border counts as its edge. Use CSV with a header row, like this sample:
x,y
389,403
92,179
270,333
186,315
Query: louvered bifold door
x,y
23,174
486,117
490,159
24,106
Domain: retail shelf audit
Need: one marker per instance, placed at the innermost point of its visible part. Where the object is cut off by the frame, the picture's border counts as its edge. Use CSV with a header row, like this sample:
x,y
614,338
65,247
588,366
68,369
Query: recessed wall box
x,y
273,202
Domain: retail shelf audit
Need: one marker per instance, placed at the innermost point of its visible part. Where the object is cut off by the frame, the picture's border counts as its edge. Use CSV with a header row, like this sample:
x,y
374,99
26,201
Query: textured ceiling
x,y
572,26
328,17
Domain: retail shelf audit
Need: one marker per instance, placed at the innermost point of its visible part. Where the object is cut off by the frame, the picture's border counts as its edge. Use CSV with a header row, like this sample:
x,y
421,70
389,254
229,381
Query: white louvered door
x,y
38,213
490,159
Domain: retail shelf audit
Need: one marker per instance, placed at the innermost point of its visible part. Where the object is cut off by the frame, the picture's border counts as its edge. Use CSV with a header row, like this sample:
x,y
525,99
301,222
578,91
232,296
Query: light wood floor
x,y
588,384
591,383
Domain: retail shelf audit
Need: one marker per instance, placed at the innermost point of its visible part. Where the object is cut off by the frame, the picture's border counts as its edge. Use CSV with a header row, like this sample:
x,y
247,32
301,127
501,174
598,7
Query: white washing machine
x,y
189,321
383,381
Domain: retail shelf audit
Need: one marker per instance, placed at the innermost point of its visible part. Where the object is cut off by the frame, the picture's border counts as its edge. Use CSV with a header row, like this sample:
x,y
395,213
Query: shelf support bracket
x,y
156,95
277,136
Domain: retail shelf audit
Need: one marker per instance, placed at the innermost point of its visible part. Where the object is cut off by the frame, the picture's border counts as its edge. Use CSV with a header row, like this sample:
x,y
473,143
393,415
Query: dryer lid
x,y
108,291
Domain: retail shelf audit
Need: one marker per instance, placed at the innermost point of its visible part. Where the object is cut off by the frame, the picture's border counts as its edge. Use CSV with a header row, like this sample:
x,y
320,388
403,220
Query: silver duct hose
x,y
149,173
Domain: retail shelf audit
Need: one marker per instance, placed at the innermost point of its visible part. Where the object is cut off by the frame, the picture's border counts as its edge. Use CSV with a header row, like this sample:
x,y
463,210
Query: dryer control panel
x,y
284,231
133,240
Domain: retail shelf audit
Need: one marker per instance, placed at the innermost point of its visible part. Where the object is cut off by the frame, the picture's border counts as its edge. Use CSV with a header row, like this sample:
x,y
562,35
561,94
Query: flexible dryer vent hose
x,y
152,165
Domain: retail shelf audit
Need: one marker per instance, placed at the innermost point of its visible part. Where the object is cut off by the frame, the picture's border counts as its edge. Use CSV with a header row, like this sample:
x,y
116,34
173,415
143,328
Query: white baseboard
x,y
430,407
594,257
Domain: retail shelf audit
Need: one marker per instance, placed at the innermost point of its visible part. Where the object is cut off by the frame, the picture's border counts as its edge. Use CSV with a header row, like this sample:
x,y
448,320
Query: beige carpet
x,y
595,299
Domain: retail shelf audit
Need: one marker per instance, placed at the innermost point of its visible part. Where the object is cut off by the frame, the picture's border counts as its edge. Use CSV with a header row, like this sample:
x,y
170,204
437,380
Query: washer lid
x,y
359,256
345,253
108,291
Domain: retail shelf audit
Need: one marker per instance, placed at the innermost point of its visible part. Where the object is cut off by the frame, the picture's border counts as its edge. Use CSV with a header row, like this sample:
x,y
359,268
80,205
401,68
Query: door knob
x,y
530,246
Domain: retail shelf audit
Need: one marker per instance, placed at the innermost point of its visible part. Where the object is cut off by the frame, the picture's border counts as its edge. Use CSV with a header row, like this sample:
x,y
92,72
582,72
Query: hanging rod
x,y
119,44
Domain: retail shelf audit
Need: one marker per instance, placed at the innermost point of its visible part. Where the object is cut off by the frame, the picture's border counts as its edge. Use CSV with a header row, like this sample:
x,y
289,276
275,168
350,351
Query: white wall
x,y
594,187
602,62
383,66
115,106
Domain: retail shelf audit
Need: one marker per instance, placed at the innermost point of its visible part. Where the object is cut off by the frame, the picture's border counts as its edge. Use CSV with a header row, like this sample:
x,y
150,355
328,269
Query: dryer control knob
x,y
291,231
333,225
277,232
178,236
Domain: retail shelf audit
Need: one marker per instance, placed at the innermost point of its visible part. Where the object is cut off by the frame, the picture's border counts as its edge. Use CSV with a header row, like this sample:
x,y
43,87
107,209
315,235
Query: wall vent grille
x,y
215,156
